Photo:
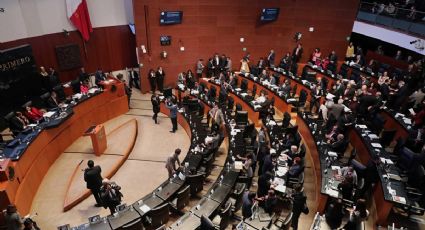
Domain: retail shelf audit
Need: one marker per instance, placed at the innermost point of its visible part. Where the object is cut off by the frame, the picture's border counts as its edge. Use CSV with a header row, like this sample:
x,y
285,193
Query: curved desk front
x,y
42,152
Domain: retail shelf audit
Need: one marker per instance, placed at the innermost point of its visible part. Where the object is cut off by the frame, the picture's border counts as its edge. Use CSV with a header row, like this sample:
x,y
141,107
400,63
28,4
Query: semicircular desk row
x,y
29,156
151,211
386,193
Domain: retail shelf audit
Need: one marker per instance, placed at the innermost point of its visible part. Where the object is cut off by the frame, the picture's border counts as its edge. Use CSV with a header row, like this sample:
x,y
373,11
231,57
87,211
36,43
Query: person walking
x,y
172,106
155,107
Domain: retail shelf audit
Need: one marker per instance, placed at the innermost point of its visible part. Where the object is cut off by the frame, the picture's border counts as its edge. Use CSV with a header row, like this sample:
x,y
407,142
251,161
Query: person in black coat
x,y
111,195
160,76
269,163
152,80
155,107
133,78
297,53
334,214
298,205
93,178
263,184
99,77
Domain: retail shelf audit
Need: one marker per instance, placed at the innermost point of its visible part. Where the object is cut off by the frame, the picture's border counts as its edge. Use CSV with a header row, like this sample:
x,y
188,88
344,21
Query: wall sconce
x,y
181,45
143,49
241,39
164,54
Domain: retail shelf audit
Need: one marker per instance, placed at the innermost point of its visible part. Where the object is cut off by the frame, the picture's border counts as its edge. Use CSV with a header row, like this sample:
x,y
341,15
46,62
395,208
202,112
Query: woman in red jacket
x,y
33,114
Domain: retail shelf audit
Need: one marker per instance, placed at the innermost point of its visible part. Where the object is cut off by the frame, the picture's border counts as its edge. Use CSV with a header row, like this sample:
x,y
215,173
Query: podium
x,y
98,138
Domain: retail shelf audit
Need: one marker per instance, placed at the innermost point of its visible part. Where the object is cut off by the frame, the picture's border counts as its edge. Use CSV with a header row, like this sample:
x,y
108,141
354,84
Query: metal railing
x,y
396,16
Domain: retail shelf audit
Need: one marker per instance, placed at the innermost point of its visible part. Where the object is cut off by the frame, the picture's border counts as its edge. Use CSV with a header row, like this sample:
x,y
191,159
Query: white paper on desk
x,y
77,95
238,165
412,111
281,171
145,208
181,110
238,89
399,115
332,193
346,109
280,188
93,90
195,92
332,154
291,100
362,126
49,114
272,122
387,161
334,167
373,136
257,106
233,132
376,145
408,121
399,199
279,181
244,94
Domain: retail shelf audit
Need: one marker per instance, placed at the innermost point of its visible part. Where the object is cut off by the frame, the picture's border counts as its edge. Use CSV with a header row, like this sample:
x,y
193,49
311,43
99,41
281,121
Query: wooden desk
x,y
383,207
392,123
46,148
311,148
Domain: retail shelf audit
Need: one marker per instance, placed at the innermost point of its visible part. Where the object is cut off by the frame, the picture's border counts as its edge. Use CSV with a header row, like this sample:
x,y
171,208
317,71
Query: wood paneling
x,y
216,26
110,48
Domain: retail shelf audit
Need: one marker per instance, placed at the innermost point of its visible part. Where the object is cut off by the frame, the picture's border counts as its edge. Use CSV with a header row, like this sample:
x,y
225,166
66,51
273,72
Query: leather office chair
x,y
196,183
236,197
293,91
245,180
60,92
301,100
282,224
206,224
296,180
387,136
286,120
343,71
221,221
75,85
157,217
44,98
182,199
135,225
208,165
8,118
244,85
254,90
27,104
230,104
238,107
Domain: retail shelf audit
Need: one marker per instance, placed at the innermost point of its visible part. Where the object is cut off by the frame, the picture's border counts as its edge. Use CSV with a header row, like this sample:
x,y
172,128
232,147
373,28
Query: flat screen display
x,y
269,14
170,17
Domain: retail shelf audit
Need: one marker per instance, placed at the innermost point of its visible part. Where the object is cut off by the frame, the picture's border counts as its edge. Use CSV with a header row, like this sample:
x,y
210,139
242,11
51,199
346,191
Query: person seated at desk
x,y
170,164
248,164
82,76
20,121
348,171
84,87
285,88
339,145
316,56
332,135
53,101
296,169
357,215
346,188
34,114
212,140
285,62
99,77
261,99
248,200
334,214
418,117
292,154
263,75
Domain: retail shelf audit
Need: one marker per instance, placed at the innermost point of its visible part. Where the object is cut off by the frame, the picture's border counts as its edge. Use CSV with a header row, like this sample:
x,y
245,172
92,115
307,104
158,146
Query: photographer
x,y
111,195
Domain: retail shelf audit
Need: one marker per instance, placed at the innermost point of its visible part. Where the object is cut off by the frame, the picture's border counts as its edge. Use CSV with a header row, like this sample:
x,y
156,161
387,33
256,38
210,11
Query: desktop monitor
x,y
269,14
241,117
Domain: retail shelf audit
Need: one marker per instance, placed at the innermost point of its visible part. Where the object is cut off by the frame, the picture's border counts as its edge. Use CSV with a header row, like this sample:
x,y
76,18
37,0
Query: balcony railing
x,y
396,16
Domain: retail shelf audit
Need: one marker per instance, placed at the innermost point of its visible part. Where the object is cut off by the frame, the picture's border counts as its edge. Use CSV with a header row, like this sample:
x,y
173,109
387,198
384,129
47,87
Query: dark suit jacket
x,y
339,146
93,177
51,103
159,75
271,58
99,76
297,58
295,170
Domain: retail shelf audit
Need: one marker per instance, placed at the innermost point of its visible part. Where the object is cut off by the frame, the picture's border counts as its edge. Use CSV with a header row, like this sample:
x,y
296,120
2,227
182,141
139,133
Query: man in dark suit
x,y
297,53
53,101
217,64
270,58
93,178
210,68
99,77
83,75
133,78
160,76
339,145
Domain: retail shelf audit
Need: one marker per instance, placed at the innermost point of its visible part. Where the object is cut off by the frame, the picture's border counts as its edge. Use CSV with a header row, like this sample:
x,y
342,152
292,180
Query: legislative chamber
x,y
193,114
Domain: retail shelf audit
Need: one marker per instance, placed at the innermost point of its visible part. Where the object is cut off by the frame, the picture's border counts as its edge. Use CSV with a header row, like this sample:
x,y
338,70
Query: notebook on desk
x,y
264,217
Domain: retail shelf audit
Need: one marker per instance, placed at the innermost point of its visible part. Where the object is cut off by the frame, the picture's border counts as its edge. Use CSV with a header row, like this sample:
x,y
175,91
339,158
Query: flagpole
x,y
84,45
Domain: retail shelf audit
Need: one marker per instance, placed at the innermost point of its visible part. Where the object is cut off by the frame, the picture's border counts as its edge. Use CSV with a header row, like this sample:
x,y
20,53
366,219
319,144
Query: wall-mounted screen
x,y
269,14
171,17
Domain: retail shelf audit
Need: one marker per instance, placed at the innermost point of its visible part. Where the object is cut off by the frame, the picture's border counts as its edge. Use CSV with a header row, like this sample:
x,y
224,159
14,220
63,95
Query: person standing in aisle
x,y
155,107
160,75
172,106
93,178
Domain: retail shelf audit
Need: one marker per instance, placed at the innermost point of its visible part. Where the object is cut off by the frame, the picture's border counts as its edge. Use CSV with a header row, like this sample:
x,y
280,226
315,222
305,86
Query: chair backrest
x,y
75,84
294,90
226,215
230,103
159,215
9,116
254,90
209,164
387,136
183,197
286,120
238,107
238,198
244,85
287,223
28,103
196,183
135,225
206,223
303,96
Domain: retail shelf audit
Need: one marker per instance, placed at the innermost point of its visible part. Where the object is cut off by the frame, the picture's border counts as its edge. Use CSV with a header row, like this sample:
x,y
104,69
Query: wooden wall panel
x,y
216,26
111,48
